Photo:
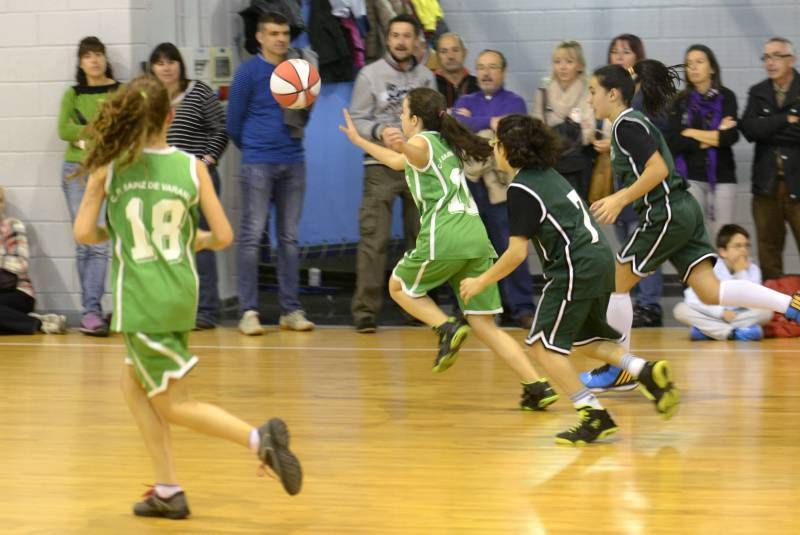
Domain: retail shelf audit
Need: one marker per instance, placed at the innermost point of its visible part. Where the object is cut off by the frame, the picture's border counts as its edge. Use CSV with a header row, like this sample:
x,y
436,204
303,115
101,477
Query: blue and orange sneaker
x,y
608,378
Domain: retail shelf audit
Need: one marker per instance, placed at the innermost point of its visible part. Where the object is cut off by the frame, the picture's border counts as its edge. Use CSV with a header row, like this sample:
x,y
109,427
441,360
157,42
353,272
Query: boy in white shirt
x,y
709,322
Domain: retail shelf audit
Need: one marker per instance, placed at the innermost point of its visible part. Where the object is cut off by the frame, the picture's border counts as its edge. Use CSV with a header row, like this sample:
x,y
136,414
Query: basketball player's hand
x,y
470,287
202,240
729,315
601,145
607,209
393,138
349,128
792,118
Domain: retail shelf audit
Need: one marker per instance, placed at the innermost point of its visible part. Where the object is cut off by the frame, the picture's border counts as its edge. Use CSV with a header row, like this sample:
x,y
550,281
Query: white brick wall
x,y
37,63
527,30
38,40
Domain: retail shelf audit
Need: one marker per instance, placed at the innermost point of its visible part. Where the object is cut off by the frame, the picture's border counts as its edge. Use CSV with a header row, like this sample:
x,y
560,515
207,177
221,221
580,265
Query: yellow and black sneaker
x,y
594,424
655,382
537,396
452,335
273,451
793,312
174,507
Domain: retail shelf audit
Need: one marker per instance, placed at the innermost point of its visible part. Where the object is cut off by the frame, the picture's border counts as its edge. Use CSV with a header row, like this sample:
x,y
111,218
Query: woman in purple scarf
x,y
702,129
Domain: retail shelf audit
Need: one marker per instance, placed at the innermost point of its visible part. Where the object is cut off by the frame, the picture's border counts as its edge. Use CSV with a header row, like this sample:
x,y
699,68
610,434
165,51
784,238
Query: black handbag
x,y
572,158
8,281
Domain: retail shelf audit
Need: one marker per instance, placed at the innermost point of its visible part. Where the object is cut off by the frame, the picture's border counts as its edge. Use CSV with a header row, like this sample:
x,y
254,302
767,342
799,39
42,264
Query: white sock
x,y
739,293
632,364
583,397
620,316
255,440
167,491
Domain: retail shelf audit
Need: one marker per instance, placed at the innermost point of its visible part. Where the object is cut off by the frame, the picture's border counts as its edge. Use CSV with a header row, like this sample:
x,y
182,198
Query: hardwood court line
x,y
389,348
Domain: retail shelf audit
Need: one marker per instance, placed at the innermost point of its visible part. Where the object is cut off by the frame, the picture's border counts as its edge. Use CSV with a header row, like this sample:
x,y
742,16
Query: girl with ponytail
x,y
452,243
671,225
152,193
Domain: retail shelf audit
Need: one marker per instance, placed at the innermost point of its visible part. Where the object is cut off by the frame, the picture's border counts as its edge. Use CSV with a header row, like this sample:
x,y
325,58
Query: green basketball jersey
x,y
450,226
575,255
152,216
625,171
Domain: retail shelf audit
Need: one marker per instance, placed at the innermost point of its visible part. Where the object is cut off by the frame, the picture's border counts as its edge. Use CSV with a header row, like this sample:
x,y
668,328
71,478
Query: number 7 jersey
x,y
152,215
574,253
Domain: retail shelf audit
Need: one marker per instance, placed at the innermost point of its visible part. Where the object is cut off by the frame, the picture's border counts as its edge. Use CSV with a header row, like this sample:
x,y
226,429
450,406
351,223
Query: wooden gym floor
x,y
389,447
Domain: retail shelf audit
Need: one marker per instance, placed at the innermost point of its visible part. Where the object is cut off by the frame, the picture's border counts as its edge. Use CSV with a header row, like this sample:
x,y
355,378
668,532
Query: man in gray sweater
x,y
375,107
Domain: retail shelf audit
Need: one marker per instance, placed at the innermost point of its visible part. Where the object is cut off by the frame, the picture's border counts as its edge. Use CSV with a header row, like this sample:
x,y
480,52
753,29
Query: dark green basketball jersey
x,y
624,168
575,255
152,218
450,226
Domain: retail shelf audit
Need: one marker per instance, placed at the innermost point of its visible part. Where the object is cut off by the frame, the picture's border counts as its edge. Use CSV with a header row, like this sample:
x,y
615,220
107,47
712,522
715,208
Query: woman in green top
x,y
79,106
452,243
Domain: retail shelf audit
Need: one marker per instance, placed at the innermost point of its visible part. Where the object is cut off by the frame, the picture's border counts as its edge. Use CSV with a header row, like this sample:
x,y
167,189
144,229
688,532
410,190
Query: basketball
x,y
295,84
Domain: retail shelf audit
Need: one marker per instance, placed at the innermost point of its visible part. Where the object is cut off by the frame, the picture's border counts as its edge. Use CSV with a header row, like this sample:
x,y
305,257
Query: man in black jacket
x,y
772,120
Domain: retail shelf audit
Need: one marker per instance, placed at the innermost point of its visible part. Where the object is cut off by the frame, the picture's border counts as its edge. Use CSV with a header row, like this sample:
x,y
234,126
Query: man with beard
x,y
452,78
375,108
480,112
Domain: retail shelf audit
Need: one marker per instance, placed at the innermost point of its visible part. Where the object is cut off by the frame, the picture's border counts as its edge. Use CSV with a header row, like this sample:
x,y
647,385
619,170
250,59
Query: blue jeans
x,y
650,289
516,290
92,259
208,305
286,185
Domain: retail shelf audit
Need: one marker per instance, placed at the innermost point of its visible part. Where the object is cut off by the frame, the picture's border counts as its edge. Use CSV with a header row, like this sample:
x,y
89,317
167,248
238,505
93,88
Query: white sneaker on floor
x,y
296,321
250,324
51,323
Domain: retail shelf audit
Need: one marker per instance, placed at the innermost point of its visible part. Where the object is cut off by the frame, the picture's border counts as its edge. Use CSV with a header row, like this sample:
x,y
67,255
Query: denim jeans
x,y
92,259
285,184
516,290
208,305
650,289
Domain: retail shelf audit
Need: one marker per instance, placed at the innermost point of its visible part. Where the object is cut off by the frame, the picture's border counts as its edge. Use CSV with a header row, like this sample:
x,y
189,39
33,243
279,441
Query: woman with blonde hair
x,y
562,103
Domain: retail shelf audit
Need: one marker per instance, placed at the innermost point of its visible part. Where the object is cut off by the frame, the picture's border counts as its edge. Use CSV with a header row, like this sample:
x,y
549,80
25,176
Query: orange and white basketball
x,y
295,84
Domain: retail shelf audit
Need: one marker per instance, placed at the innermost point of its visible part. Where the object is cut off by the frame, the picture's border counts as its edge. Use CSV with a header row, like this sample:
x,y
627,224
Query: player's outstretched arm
x,y
388,157
516,254
221,234
86,230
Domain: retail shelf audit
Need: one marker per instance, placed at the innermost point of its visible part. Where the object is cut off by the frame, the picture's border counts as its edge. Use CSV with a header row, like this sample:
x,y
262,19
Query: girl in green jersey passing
x,y
452,243
153,192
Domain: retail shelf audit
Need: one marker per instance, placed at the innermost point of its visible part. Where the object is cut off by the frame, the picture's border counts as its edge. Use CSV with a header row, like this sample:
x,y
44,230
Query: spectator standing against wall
x,y
79,105
453,79
17,300
197,128
702,130
562,102
375,108
273,171
480,112
772,120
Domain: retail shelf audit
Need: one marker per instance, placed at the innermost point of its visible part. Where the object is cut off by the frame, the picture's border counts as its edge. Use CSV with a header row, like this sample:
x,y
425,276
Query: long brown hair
x,y
126,123
431,107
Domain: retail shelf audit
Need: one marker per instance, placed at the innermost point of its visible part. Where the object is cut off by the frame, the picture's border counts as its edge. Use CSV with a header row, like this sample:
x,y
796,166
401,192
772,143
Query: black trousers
x,y
14,309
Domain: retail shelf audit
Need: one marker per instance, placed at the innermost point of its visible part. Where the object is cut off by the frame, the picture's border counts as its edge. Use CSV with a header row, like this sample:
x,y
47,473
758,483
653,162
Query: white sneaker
x,y
250,324
51,323
296,321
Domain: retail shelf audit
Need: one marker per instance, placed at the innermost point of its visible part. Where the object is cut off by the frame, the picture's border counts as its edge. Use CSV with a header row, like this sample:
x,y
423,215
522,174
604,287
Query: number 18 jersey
x,y
152,215
450,226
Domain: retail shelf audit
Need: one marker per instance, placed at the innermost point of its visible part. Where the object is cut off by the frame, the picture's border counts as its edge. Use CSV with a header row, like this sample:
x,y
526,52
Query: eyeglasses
x,y
774,57
493,142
